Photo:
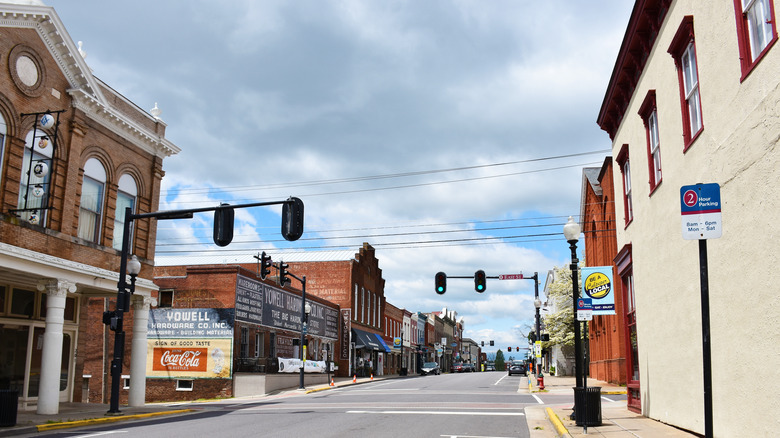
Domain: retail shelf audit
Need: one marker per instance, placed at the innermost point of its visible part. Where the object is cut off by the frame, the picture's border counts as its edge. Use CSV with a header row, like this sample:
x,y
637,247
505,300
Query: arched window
x,y
33,189
125,197
91,208
3,130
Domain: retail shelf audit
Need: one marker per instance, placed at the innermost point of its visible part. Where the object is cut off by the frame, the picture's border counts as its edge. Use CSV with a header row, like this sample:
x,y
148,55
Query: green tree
x,y
560,321
500,365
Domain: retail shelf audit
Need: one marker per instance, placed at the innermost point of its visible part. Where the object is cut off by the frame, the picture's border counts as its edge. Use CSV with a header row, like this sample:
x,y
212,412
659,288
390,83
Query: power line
x,y
372,177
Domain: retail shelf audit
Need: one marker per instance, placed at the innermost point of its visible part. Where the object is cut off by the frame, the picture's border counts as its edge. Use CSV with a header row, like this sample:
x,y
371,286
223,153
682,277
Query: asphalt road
x,y
450,405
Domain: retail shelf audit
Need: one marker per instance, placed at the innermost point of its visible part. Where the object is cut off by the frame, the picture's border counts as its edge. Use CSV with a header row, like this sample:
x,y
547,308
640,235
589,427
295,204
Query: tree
x,y
500,365
560,321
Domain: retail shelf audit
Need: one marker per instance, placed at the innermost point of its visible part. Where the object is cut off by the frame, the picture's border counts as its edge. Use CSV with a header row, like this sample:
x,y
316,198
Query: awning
x,y
383,343
365,340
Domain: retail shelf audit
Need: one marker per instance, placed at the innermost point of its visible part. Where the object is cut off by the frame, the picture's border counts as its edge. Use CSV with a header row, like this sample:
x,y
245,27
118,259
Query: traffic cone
x,y
372,376
354,378
331,382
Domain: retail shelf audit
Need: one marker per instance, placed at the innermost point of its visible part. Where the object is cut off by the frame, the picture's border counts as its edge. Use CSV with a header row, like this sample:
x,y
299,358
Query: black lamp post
x,y
538,305
305,311
572,233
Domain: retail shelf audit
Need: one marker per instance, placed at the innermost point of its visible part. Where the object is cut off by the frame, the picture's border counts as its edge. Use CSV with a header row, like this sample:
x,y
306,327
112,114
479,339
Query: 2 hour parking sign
x,y
700,207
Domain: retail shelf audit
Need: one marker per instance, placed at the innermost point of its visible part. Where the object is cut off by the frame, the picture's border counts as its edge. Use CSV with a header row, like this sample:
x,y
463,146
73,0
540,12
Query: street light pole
x,y
538,305
572,233
305,311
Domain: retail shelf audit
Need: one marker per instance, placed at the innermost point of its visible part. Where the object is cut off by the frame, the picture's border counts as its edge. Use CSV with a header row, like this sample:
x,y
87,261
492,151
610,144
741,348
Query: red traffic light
x,y
509,349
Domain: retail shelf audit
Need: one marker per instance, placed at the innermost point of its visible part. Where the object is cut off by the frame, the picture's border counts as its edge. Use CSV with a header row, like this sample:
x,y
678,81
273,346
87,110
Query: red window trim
x,y
743,39
622,158
645,110
682,38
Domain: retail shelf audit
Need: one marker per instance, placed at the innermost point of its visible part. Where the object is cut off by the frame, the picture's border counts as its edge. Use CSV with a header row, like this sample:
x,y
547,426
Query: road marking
x,y
102,433
537,399
503,414
474,436
499,380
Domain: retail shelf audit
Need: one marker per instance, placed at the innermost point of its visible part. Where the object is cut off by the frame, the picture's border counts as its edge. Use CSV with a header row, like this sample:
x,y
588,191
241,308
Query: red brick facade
x,y
607,332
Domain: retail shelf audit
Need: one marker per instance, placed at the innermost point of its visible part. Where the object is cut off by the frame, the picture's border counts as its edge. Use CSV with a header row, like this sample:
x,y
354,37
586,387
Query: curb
x,y
556,422
79,423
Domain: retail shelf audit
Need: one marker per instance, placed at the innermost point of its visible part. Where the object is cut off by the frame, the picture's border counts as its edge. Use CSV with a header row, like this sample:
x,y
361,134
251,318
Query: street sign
x,y
700,208
511,277
538,348
584,309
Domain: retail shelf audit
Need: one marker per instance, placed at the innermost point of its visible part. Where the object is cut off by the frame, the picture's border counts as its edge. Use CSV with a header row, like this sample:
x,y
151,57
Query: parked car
x,y
490,367
456,367
430,368
468,368
517,369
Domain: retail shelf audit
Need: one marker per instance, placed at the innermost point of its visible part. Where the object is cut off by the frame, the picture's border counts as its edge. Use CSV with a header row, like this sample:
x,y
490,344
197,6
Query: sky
x,y
450,135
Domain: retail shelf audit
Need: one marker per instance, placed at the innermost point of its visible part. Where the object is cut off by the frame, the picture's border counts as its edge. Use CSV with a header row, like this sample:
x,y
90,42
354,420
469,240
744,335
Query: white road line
x,y
537,399
499,380
503,414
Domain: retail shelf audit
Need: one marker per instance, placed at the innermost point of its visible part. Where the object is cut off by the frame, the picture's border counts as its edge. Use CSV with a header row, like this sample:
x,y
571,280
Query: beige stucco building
x,y
694,98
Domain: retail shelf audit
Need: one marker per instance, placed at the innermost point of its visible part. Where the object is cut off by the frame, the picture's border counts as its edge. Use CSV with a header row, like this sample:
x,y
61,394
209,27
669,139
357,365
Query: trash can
x,y
587,402
9,398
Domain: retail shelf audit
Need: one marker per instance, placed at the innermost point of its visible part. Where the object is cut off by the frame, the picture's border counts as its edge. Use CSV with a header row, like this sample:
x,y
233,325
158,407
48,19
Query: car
x,y
430,368
490,367
468,368
456,367
516,369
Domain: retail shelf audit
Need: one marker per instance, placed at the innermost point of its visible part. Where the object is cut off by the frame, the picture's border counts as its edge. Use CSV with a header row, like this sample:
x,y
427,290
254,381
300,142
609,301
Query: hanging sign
x,y
598,286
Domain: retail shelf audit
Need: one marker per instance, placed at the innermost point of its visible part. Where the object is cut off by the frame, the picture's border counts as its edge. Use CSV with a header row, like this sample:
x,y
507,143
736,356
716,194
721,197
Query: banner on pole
x,y
597,285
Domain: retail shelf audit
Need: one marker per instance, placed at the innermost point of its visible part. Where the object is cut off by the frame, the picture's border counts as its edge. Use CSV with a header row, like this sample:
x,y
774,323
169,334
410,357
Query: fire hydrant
x,y
540,381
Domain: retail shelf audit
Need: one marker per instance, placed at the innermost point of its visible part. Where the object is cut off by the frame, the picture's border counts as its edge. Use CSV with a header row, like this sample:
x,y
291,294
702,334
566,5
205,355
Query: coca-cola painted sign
x,y
180,359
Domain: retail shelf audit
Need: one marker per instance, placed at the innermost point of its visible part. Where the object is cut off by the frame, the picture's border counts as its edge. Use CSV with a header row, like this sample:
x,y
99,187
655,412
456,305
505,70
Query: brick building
x,y
607,333
263,322
74,154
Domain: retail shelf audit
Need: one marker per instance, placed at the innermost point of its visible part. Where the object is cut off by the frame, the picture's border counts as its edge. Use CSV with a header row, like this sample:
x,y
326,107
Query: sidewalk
x,y
548,421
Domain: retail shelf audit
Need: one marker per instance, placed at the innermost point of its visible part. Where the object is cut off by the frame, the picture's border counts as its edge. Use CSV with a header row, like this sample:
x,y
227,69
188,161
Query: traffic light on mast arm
x,y
283,274
265,265
441,283
480,281
509,349
292,219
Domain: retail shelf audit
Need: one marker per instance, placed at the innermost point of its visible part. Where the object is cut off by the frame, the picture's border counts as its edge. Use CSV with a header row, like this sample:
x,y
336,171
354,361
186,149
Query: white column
x,y
51,357
137,395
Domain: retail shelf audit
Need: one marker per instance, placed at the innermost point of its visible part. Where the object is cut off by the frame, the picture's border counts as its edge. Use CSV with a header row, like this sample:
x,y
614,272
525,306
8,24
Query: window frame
x,y
98,176
748,60
128,190
683,44
648,111
625,171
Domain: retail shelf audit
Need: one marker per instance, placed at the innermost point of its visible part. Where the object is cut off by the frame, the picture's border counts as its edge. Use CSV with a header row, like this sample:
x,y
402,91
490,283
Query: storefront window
x,y
23,303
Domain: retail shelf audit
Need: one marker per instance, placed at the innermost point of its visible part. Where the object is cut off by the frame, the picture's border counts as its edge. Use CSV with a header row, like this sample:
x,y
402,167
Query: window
x,y
683,49
33,189
125,198
91,206
649,113
244,343
258,344
184,385
756,31
2,145
165,298
125,381
625,169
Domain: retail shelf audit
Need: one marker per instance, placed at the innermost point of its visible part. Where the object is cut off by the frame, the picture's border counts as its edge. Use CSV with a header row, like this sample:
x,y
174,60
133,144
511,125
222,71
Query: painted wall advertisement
x,y
262,304
597,285
190,343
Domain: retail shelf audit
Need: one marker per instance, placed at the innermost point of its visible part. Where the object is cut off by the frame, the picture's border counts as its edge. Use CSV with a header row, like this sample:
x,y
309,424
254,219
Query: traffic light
x,y
223,225
483,343
283,274
441,283
492,343
265,265
509,349
292,219
480,281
